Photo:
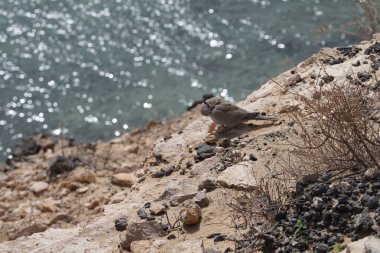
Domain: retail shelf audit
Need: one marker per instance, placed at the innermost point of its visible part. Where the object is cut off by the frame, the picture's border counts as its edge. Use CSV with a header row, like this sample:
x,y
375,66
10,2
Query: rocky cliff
x,y
167,187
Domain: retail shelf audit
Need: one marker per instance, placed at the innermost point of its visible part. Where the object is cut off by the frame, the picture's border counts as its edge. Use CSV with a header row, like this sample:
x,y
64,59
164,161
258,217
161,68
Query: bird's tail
x,y
259,116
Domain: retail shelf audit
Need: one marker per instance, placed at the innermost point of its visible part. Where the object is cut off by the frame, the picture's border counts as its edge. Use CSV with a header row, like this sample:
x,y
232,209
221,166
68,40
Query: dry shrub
x,y
338,130
255,211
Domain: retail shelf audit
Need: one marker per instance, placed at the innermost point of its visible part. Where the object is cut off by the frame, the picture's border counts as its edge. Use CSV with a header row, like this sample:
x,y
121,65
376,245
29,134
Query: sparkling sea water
x,y
98,68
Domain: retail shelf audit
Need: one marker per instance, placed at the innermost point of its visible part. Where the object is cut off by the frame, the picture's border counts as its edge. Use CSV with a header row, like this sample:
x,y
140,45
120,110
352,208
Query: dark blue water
x,y
101,67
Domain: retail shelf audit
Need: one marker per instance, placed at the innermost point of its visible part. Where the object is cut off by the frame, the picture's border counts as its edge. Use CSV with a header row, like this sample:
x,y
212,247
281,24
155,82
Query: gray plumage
x,y
229,115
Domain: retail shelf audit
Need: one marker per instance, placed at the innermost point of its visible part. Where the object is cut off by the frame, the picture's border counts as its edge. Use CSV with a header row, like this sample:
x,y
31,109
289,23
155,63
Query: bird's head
x,y
209,105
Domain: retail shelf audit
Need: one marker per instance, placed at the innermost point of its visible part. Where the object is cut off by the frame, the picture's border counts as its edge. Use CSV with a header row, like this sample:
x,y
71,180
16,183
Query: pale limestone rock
x,y
201,199
190,213
205,166
39,187
72,186
369,244
146,246
83,175
118,197
372,245
372,173
142,231
188,246
175,147
92,205
36,227
239,176
61,217
207,181
123,179
179,191
47,205
82,190
158,209
66,240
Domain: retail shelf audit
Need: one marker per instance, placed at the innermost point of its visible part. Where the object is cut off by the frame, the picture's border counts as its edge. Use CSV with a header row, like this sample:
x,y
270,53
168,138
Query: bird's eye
x,y
206,104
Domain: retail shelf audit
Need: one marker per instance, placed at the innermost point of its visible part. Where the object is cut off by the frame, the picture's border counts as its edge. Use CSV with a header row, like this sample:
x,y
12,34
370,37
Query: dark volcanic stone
x,y
62,164
357,64
26,146
318,189
219,238
213,235
321,248
300,186
356,207
121,224
165,227
171,237
252,157
331,241
158,174
168,171
363,76
334,61
328,79
225,143
373,49
302,246
204,151
342,199
343,207
373,202
269,245
289,230
348,51
365,199
281,215
142,214
363,222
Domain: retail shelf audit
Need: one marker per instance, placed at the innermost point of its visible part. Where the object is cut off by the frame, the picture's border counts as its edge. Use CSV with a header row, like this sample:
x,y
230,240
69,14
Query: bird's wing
x,y
229,108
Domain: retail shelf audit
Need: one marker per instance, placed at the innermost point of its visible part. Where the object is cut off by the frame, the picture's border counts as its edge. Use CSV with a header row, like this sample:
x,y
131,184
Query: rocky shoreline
x,y
170,186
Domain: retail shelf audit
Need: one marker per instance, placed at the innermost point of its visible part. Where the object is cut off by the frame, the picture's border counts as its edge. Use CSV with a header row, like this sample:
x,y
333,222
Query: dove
x,y
228,115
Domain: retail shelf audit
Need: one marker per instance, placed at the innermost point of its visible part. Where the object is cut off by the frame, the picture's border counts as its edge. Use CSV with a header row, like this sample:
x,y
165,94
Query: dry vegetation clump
x,y
254,212
338,130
